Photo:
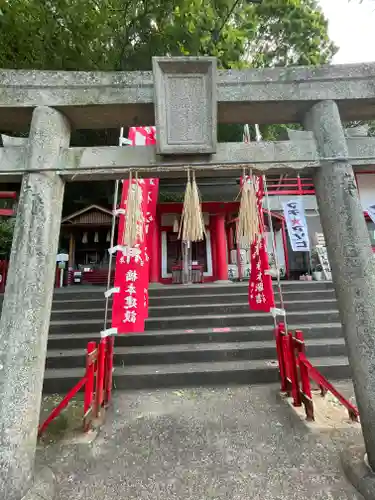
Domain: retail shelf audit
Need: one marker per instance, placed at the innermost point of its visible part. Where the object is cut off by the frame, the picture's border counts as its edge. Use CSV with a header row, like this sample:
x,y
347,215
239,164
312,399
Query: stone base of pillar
x,y
358,471
43,487
222,281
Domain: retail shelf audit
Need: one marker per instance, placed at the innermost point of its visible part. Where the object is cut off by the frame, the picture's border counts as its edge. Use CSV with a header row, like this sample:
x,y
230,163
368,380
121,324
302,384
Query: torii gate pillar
x,y
351,258
27,302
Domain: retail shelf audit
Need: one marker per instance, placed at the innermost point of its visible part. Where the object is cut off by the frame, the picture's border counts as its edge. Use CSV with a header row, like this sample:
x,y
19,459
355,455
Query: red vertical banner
x,y
261,297
128,310
130,303
142,136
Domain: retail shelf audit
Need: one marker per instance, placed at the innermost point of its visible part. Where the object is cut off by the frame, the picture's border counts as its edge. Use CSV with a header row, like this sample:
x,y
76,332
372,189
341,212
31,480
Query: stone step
x,y
200,335
195,335
193,374
92,292
193,353
196,309
72,325
83,303
232,288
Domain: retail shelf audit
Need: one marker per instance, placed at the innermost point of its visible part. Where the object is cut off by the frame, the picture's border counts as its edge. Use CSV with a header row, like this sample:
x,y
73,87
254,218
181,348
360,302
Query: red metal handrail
x,y
296,371
314,374
8,195
290,186
97,383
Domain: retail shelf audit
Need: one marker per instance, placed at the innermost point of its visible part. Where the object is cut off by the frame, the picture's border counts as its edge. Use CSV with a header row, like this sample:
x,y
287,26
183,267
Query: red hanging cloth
x,y
261,297
130,304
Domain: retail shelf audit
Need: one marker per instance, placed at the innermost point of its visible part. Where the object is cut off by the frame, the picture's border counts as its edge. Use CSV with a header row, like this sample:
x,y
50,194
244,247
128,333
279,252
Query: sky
x,y
352,28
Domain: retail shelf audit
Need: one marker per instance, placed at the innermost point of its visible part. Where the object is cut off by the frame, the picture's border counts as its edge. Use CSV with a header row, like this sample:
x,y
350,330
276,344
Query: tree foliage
x,y
125,34
6,236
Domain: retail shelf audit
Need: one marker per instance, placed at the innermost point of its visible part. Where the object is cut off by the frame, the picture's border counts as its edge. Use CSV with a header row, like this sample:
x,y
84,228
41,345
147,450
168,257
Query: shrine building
x,y
85,234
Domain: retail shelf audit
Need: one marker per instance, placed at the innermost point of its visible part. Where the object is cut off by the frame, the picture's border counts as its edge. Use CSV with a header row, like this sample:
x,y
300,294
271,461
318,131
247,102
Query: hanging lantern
x,y
96,237
84,238
108,238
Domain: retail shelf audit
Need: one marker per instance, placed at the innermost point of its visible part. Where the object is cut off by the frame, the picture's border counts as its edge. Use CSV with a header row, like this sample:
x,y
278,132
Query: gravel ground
x,y
233,443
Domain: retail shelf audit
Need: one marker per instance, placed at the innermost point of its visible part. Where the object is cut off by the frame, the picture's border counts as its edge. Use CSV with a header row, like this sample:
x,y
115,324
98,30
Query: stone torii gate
x,y
185,98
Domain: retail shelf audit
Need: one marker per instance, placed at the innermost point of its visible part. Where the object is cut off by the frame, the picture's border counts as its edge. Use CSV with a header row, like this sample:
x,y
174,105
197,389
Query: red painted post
x,y
279,333
155,258
304,374
299,185
109,370
293,371
221,248
89,387
285,349
100,372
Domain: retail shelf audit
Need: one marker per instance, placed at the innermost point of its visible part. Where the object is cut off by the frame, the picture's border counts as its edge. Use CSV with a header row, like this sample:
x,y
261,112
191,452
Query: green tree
x,y
125,34
6,236
290,32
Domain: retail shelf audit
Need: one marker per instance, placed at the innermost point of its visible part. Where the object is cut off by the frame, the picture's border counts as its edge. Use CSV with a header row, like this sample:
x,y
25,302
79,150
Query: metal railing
x,y
296,371
97,384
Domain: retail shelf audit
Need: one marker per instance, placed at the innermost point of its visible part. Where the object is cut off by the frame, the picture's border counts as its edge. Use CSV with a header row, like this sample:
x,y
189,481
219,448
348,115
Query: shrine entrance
x,y
185,98
192,257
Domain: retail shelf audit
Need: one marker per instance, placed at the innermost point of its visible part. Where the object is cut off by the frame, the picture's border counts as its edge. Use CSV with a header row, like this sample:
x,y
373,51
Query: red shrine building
x,y
85,234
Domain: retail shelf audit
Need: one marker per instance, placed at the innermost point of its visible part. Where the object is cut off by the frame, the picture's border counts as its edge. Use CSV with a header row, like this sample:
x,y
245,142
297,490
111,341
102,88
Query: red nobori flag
x,y
130,303
142,136
146,136
131,275
261,296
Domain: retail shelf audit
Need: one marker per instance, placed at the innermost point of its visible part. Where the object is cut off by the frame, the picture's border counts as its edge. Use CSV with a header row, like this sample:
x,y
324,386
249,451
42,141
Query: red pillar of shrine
x,y
154,252
213,245
221,248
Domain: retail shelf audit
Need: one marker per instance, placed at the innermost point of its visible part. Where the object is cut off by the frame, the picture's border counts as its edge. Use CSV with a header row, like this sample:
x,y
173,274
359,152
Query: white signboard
x,y
324,262
296,223
62,257
371,212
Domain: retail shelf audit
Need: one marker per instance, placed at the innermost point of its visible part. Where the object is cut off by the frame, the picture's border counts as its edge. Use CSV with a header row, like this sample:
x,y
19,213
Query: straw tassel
x,y
191,223
248,217
184,231
198,229
134,222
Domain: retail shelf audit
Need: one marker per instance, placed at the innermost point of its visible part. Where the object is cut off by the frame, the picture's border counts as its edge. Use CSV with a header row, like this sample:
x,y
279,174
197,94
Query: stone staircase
x,y
195,335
